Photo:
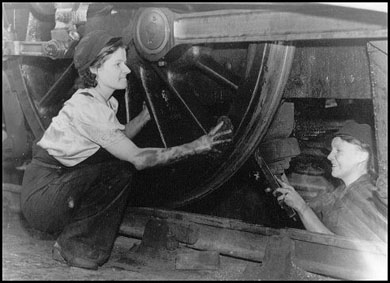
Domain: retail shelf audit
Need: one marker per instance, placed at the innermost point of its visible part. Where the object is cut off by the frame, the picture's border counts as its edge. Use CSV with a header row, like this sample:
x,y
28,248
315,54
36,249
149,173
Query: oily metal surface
x,y
250,111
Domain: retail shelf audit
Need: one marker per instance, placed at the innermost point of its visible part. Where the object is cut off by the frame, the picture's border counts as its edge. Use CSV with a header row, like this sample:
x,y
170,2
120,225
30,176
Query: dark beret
x,y
89,47
361,132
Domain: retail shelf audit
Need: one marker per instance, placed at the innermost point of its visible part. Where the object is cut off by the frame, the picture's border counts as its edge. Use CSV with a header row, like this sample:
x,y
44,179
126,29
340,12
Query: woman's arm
x,y
143,158
308,217
135,125
311,221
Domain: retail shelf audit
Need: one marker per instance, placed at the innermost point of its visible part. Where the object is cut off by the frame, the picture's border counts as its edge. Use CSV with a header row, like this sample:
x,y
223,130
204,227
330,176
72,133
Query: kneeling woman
x,y
78,182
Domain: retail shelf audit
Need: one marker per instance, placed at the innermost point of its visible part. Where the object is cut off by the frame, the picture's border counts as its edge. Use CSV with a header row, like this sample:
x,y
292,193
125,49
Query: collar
x,y
362,179
97,95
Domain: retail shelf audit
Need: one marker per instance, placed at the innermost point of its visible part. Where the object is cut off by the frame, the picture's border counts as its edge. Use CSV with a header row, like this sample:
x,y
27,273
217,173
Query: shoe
x,y
57,255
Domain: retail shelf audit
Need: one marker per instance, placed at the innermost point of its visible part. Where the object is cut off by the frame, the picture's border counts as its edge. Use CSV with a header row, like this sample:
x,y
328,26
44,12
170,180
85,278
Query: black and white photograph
x,y
194,141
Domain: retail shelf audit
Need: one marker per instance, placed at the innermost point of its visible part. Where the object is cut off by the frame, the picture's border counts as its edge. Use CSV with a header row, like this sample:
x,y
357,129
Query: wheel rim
x,y
256,96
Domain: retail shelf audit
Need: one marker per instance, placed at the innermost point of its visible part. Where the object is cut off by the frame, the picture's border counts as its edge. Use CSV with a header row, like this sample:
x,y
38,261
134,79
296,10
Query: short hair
x,y
88,79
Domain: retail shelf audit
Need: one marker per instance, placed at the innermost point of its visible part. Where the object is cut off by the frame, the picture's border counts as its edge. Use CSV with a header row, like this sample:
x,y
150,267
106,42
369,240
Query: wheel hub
x,y
152,33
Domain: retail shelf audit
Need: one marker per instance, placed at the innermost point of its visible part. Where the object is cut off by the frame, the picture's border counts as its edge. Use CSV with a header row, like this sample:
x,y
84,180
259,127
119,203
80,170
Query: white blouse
x,y
83,125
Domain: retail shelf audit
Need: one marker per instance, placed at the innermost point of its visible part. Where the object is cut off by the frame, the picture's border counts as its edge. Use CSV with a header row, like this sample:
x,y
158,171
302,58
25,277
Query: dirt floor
x,y
27,256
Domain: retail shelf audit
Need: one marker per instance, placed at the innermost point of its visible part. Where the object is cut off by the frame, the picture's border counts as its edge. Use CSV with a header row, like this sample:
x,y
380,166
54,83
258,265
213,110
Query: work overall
x,y
84,203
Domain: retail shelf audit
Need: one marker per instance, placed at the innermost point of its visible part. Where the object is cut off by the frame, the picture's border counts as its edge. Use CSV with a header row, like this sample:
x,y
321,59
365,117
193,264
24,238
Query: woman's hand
x,y
136,124
208,142
289,196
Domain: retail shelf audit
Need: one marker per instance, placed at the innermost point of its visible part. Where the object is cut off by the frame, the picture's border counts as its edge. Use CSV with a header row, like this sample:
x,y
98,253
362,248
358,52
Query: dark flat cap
x,y
89,47
361,132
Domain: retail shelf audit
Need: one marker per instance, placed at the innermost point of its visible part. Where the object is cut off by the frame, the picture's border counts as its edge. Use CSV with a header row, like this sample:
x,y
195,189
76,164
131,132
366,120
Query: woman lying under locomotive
x,y
349,210
78,182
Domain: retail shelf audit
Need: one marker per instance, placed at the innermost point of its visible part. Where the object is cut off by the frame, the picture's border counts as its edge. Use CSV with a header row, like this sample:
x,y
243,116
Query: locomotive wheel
x,y
188,93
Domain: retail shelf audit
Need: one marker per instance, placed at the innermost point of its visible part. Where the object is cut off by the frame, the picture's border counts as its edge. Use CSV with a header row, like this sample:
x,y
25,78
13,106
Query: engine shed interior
x,y
286,76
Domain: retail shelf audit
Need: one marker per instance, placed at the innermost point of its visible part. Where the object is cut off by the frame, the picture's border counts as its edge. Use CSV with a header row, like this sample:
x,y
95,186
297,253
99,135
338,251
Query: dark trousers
x,y
84,205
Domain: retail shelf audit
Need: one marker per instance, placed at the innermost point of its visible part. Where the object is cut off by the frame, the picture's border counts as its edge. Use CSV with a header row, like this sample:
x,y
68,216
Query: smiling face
x,y
112,73
348,160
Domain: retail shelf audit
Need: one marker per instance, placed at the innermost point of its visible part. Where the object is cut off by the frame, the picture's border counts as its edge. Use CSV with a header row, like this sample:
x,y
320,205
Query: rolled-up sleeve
x,y
98,123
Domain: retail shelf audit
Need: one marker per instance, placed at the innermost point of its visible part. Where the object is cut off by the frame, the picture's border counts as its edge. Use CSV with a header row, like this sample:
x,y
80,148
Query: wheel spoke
x,y
218,72
186,105
34,120
53,94
152,100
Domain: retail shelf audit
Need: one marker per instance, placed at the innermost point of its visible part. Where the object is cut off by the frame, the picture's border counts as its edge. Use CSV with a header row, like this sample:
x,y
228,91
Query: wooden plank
x,y
277,259
334,261
137,218
337,241
207,220
244,245
330,70
229,242
378,58
329,255
197,260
